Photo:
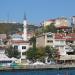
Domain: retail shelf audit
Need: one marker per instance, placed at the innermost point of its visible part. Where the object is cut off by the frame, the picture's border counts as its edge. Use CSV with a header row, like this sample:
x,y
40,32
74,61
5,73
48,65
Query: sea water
x,y
39,72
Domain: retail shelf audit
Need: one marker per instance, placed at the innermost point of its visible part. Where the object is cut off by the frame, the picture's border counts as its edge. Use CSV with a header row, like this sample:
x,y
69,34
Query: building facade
x,y
58,22
20,42
48,22
61,22
51,39
73,21
61,41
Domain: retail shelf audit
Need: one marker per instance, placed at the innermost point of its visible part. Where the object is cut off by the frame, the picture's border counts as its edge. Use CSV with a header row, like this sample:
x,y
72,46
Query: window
x,y
49,36
61,41
56,41
49,41
62,47
6,61
56,47
15,47
23,47
23,53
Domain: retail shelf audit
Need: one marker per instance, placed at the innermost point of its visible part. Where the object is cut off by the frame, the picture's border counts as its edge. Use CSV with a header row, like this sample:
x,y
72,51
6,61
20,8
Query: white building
x,y
62,22
57,40
52,39
73,21
21,42
4,59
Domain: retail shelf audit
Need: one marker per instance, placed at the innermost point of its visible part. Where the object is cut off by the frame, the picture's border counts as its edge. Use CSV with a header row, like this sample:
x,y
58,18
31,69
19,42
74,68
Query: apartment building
x,y
52,39
60,41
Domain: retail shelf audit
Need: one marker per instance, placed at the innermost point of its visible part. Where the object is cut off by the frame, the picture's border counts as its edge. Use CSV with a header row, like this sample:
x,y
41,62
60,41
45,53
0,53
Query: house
x,y
58,22
61,41
51,39
3,36
4,59
47,22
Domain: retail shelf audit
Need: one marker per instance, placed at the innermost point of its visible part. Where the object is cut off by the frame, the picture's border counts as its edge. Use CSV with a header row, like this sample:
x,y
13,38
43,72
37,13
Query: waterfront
x,y
40,72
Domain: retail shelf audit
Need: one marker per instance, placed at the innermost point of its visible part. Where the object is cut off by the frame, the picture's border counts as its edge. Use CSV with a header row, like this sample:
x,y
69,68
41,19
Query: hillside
x,y
10,28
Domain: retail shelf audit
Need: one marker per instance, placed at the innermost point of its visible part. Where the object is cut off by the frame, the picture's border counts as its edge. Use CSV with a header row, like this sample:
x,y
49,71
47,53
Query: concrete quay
x,y
38,67
51,66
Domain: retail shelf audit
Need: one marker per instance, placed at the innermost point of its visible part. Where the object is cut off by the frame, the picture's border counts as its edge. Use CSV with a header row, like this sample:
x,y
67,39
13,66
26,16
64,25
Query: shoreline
x,y
39,67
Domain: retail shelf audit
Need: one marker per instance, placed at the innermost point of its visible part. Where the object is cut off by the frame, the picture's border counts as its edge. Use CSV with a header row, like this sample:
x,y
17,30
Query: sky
x,y
36,10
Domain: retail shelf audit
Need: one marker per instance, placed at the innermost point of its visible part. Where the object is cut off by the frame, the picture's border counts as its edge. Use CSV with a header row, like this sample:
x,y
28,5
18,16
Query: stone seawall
x,y
52,66
36,67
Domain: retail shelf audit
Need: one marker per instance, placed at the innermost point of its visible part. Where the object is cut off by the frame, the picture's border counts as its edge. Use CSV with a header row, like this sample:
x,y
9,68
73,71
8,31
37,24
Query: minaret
x,y
25,28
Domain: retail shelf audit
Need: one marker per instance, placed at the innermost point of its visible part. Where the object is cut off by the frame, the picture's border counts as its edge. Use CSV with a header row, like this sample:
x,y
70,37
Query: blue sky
x,y
36,10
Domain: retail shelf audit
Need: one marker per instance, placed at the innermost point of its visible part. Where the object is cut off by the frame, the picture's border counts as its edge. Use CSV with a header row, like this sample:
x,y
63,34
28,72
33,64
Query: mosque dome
x,y
16,37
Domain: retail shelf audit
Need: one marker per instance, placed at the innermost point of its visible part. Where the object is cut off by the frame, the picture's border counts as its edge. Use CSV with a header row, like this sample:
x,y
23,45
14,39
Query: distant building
x,y
73,21
48,22
61,22
4,59
3,36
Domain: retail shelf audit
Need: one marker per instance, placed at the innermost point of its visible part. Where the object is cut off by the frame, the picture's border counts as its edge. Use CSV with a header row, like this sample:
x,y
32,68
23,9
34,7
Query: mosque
x,y
20,41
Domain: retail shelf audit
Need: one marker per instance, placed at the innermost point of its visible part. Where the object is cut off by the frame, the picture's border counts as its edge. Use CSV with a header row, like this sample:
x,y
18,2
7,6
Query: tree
x,y
11,52
33,55
50,52
30,54
40,53
33,41
50,28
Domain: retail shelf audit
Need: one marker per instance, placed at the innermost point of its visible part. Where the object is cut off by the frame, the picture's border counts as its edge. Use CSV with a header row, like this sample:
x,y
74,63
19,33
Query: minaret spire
x,y
25,28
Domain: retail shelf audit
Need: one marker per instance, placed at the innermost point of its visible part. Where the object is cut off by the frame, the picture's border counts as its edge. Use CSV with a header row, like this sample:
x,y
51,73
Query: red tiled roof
x,y
19,41
2,47
63,36
59,36
70,39
62,27
72,34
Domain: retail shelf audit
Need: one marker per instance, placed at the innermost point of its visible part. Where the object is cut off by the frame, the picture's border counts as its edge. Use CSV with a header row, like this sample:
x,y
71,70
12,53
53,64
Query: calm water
x,y
42,72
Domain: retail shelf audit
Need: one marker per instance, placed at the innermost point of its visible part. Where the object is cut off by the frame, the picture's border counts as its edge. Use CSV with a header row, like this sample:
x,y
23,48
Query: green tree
x,y
50,28
33,55
40,53
50,52
11,52
33,41
30,54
